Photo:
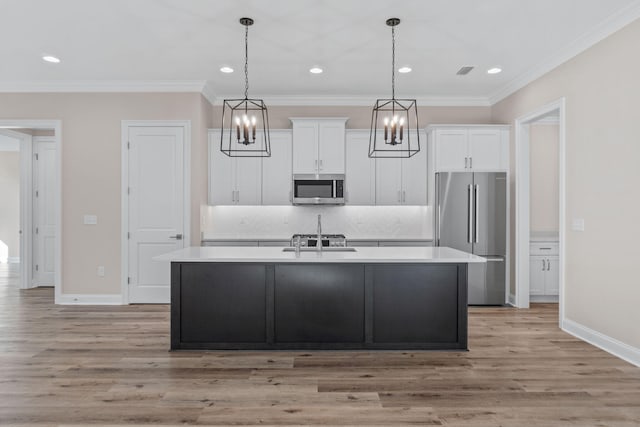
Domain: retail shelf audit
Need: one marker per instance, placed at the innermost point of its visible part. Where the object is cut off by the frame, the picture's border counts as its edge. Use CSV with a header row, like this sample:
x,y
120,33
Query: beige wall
x,y
10,202
544,207
602,91
360,117
91,141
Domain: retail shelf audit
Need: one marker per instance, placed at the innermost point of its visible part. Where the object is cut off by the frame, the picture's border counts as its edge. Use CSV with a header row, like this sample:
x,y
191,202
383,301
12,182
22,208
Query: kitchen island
x,y
368,298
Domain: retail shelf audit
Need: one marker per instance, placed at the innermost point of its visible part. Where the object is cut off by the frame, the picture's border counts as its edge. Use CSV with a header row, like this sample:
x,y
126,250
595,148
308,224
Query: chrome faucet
x,y
319,244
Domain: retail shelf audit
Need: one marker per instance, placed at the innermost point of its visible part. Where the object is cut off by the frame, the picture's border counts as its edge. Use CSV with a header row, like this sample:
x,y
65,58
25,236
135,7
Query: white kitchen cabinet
x,y
359,170
276,170
544,277
469,148
402,181
233,180
319,145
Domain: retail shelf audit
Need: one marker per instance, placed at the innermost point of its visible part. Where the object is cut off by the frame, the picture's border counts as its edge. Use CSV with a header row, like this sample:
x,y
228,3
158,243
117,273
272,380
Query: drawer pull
x,y
545,249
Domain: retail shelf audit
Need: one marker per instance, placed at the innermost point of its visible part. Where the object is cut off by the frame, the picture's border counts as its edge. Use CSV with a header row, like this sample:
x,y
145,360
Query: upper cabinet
x,y
402,181
276,170
233,180
360,170
251,180
469,148
319,145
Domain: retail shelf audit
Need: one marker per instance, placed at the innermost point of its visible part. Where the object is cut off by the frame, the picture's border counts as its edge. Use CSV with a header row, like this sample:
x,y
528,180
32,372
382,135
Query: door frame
x,y
26,198
124,199
522,177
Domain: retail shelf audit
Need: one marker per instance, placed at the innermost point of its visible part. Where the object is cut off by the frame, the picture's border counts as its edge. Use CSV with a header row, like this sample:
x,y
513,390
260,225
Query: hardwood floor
x,y
109,365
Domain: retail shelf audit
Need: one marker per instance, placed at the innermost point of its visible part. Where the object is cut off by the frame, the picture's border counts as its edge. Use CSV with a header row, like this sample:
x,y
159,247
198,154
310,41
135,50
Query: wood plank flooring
x,y
88,365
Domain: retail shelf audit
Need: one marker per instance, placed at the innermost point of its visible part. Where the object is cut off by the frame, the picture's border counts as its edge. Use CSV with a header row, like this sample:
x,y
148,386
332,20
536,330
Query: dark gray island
x,y
264,298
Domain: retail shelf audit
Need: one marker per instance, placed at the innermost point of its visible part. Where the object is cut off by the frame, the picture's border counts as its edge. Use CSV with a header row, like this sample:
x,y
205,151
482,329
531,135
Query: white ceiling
x,y
132,42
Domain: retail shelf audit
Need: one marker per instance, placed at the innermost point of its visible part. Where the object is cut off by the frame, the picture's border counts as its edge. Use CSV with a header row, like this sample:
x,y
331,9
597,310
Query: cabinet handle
x,y
543,266
404,196
233,196
548,265
290,196
470,162
320,164
237,196
470,208
316,164
399,197
466,162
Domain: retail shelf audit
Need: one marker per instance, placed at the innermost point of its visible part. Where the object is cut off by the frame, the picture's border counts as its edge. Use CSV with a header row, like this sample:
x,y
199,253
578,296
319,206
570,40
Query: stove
x,y
328,240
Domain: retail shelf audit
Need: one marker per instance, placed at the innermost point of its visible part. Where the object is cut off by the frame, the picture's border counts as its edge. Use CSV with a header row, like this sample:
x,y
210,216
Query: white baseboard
x,y
543,298
606,343
13,260
89,299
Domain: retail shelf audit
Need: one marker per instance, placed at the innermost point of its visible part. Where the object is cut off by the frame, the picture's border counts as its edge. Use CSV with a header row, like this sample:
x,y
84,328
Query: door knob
x,y
177,237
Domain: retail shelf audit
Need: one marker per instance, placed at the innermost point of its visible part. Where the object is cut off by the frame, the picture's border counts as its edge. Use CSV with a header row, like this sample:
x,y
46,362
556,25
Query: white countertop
x,y
401,254
231,238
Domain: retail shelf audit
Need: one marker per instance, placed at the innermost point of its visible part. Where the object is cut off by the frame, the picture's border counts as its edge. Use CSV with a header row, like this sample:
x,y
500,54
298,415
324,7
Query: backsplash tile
x,y
356,222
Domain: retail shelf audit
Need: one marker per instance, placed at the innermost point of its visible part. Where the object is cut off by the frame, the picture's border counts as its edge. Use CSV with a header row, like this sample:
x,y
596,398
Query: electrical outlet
x,y
101,270
577,224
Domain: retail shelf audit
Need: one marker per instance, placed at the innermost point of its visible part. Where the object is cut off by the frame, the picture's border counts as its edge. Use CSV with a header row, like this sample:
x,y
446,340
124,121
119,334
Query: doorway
x,y
155,205
38,144
553,113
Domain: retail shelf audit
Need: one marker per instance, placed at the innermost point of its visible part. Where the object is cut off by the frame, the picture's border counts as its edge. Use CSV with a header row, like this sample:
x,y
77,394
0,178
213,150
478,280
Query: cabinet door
x,y
552,279
221,182
360,170
248,174
331,135
414,176
388,181
486,149
276,170
451,149
305,147
537,267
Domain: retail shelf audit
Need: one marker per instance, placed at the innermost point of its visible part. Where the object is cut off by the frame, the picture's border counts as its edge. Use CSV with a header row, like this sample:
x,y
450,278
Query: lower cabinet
x,y
544,274
318,306
224,305
544,277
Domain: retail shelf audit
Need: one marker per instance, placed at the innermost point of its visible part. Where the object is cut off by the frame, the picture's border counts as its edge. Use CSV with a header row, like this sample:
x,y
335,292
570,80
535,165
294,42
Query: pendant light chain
x,y
393,62
246,62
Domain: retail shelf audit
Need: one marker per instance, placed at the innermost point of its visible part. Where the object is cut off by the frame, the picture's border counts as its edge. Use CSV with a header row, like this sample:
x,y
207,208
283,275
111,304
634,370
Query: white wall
x,y
9,205
544,167
91,157
602,91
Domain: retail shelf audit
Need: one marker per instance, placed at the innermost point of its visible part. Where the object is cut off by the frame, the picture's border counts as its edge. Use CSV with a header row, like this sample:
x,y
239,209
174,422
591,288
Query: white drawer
x,y
544,248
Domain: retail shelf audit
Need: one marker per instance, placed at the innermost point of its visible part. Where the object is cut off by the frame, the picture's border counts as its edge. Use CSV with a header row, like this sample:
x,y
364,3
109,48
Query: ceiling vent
x,y
465,70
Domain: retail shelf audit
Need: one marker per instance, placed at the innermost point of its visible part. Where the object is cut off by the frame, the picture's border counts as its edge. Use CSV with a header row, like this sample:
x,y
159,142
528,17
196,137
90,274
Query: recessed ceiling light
x,y
404,69
226,69
51,59
494,70
316,70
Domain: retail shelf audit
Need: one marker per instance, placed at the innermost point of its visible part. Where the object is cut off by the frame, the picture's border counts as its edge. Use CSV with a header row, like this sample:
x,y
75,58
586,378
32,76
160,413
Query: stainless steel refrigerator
x,y
471,215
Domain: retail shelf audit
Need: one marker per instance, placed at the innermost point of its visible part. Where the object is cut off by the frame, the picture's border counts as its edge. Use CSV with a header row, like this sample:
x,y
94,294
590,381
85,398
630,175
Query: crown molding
x,y
104,86
612,24
360,100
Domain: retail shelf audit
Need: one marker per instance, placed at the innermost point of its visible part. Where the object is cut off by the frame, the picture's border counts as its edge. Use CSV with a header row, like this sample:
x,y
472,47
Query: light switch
x,y
577,224
90,219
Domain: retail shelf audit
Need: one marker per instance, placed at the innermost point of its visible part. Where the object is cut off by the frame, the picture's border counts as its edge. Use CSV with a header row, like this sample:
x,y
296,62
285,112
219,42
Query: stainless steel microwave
x,y
312,189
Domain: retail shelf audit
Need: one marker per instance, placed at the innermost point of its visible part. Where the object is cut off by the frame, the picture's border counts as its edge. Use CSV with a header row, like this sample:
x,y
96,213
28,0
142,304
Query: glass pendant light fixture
x,y
394,122
245,122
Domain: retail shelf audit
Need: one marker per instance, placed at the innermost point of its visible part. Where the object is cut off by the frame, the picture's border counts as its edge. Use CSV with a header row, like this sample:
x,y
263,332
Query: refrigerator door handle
x,y
470,209
477,213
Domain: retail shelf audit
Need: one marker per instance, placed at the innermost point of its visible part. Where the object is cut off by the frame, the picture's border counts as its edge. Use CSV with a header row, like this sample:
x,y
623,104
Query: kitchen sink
x,y
324,249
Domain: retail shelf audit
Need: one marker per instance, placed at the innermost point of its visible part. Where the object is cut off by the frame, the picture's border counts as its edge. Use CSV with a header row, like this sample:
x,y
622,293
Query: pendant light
x,y
245,122
394,122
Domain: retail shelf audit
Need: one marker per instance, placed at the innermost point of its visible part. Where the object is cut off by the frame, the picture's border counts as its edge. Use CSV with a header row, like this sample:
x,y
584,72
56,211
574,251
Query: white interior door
x,y
156,208
44,218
